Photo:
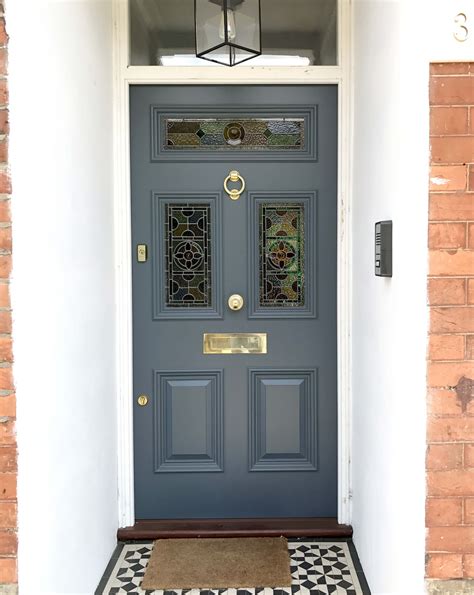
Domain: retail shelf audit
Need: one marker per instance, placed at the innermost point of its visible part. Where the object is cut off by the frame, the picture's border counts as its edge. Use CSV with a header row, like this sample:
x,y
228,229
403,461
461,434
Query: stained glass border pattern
x,y
224,136
208,266
306,308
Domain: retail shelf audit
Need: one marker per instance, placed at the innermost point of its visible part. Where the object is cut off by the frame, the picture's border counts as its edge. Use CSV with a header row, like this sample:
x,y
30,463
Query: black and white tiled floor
x,y
318,567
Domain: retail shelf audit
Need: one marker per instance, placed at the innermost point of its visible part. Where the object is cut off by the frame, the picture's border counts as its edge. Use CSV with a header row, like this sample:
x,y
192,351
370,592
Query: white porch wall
x,y
389,315
394,41
63,291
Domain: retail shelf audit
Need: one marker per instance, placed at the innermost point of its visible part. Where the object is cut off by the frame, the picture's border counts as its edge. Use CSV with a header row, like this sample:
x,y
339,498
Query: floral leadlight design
x,y
188,255
281,238
249,134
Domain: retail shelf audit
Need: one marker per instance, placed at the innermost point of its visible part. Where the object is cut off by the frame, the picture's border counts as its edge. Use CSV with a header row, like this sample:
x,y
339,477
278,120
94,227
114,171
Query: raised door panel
x,y
188,429
283,420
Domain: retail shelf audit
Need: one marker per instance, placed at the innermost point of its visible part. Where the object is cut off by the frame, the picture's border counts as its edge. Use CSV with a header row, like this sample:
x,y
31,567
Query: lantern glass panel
x,y
247,25
227,31
208,23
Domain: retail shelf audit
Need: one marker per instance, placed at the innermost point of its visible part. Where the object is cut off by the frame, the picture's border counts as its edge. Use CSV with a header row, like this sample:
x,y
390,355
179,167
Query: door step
x,y
288,527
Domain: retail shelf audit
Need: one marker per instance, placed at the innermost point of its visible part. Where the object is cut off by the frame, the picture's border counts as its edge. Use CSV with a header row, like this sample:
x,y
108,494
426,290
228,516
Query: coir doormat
x,y
218,563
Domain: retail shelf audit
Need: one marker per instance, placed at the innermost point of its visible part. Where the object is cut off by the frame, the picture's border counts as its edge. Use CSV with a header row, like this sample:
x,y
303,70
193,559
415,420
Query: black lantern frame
x,y
227,43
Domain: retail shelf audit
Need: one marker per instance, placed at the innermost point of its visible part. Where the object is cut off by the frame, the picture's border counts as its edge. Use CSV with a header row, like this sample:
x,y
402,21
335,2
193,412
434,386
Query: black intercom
x,y
383,249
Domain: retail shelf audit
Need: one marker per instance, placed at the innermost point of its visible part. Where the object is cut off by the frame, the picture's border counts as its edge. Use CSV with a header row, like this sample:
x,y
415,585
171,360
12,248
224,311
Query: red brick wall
x,y
450,451
8,524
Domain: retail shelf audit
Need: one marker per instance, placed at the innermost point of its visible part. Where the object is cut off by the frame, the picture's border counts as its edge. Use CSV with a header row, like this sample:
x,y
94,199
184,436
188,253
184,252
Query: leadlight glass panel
x,y
281,239
249,134
188,255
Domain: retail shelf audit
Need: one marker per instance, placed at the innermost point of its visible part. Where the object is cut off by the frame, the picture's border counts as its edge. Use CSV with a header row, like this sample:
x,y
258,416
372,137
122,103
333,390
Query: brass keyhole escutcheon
x,y
236,302
234,193
142,400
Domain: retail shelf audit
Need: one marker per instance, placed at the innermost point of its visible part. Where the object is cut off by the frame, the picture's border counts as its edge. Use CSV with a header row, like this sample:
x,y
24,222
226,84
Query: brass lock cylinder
x,y
236,302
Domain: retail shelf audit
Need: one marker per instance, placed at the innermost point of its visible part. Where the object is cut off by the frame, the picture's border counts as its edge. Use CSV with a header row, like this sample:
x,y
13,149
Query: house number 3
x,y
461,32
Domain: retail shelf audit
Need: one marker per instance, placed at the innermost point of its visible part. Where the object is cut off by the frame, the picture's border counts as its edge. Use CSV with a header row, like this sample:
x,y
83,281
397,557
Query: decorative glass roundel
x,y
188,256
281,255
234,133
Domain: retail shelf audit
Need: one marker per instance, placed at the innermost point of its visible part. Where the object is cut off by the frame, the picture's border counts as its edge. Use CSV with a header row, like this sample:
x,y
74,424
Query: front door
x,y
235,401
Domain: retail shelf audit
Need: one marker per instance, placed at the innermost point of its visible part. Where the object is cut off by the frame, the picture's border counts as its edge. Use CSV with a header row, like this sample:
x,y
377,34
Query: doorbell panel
x,y
383,249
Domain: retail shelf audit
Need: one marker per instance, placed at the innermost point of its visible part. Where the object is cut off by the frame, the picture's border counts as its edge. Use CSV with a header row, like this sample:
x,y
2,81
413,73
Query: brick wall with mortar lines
x,y
8,507
450,438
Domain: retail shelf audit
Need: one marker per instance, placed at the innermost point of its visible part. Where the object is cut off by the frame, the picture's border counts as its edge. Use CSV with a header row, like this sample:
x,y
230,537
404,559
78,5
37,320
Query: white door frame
x,y
124,76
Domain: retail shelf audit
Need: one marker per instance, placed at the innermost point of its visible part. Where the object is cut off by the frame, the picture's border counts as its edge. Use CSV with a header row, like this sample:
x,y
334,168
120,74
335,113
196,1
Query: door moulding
x,y
124,77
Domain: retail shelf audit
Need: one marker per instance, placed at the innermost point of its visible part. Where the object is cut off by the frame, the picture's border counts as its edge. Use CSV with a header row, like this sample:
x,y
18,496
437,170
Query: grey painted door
x,y
235,434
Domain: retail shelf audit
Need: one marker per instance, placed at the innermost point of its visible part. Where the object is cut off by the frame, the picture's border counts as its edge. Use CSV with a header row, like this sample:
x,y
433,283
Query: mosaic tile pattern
x,y
281,237
188,255
317,568
250,134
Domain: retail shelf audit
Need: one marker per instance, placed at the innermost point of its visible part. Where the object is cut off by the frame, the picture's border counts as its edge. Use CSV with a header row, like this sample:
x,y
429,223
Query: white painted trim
x,y
124,76
261,75
123,278
344,265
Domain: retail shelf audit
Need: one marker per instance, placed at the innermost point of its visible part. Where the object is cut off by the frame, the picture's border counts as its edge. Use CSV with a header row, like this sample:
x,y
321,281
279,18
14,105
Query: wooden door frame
x,y
124,76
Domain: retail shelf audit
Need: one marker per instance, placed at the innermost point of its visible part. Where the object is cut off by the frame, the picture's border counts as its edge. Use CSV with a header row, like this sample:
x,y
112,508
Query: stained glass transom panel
x,y
249,134
188,255
281,239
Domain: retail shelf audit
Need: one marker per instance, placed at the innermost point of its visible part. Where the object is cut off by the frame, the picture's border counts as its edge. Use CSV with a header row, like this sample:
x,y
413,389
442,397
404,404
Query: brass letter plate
x,y
221,343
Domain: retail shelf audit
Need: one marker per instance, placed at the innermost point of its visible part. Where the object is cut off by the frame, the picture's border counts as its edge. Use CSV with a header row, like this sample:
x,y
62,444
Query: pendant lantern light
x,y
227,31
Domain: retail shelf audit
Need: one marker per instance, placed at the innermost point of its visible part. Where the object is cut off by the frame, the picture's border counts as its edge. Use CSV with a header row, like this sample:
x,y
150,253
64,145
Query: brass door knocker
x,y
235,193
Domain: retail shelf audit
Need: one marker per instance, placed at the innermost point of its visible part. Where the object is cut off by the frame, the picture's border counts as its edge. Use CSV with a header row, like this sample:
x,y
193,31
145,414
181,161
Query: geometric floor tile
x,y
317,568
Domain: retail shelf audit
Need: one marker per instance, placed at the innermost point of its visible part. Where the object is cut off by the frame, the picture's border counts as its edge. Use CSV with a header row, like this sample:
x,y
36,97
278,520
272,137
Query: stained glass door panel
x,y
281,246
187,233
187,276
282,256
251,134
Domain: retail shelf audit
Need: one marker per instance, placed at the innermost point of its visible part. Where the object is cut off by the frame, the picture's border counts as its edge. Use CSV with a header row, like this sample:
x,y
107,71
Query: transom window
x,y
294,33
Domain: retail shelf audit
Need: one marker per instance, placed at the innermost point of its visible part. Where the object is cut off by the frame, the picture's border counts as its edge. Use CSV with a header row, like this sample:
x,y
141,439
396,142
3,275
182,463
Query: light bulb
x,y
231,33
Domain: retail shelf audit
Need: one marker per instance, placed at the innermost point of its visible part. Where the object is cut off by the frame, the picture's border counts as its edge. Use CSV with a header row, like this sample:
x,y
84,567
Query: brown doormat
x,y
218,563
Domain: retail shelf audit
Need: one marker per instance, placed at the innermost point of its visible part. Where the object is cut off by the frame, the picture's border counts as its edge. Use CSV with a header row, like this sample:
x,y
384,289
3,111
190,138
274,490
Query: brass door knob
x,y
142,400
236,302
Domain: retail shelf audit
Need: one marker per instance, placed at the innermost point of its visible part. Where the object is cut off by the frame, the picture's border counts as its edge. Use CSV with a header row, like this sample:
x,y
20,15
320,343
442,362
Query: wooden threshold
x,y
288,527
